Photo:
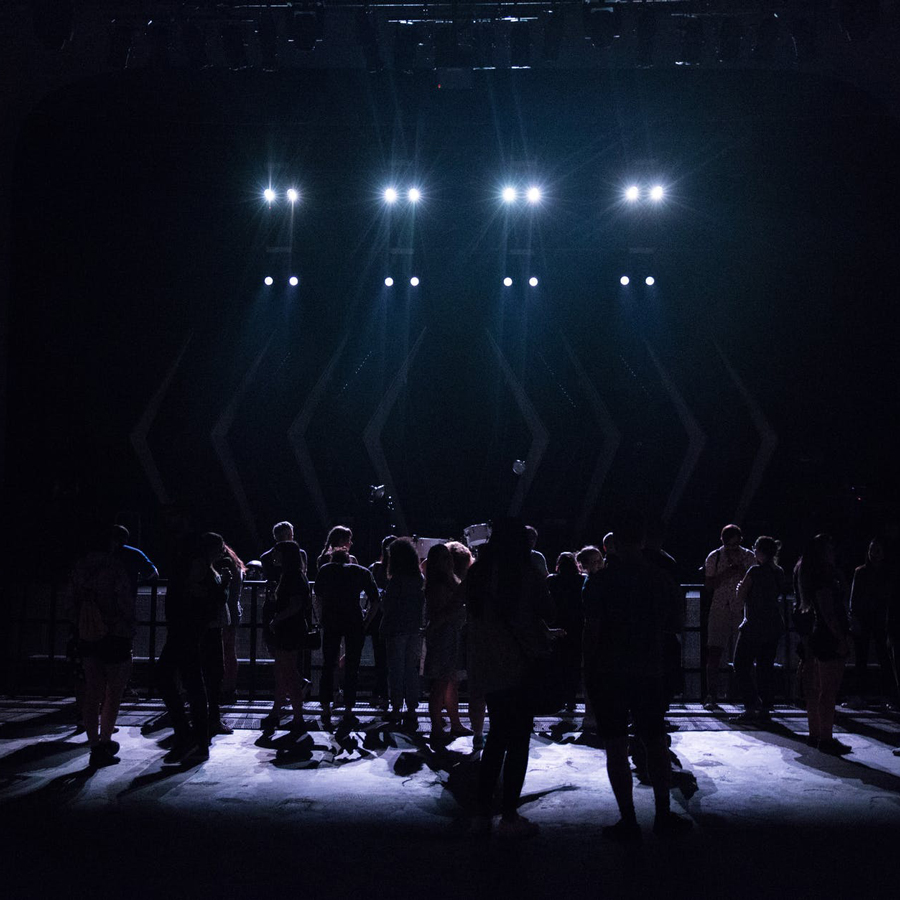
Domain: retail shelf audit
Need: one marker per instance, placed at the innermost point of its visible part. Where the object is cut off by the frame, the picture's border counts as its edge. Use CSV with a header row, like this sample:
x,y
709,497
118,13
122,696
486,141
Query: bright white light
x,y
533,194
269,280
414,194
390,195
389,282
292,195
509,195
649,281
293,281
624,280
507,282
269,194
657,192
414,281
632,193
533,281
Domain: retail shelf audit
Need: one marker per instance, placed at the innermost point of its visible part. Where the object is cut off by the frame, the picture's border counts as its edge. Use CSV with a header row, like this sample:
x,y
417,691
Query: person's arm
x,y
743,588
826,600
710,576
147,572
373,598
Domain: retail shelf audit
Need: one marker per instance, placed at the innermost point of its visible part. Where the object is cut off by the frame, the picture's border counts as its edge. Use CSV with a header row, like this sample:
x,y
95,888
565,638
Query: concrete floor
x,y
378,813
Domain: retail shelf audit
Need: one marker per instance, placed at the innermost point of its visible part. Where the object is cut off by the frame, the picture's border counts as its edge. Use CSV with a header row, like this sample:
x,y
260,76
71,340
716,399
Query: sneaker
x,y
220,727
748,717
478,742
518,828
270,722
833,747
102,757
670,824
194,754
711,704
854,702
623,832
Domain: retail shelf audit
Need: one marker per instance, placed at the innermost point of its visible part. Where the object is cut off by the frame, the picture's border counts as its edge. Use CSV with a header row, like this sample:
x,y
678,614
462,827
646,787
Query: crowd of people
x,y
607,619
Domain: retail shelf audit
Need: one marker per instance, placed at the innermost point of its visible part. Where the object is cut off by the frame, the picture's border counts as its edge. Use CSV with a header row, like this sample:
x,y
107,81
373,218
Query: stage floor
x,y
376,812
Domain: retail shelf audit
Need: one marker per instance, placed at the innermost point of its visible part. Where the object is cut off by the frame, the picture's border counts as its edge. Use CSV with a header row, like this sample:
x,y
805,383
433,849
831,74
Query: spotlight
x,y
632,193
509,195
389,282
293,281
649,281
414,195
533,194
414,281
269,280
624,281
657,192
269,194
507,282
390,195
533,281
292,195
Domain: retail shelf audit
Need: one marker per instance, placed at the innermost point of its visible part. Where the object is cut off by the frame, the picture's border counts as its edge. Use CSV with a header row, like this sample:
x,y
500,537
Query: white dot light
x,y
533,281
390,195
389,282
507,282
292,195
657,192
415,195
649,281
293,281
269,194
509,195
632,193
533,194
414,281
269,280
624,280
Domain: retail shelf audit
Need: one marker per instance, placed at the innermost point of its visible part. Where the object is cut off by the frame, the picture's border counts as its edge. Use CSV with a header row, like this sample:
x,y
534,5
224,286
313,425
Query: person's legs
x,y
229,648
861,661
412,653
451,704
331,648
287,676
117,675
811,694
94,693
436,699
718,634
494,749
765,673
395,645
192,677
830,675
618,770
519,740
353,645
166,669
213,662
744,653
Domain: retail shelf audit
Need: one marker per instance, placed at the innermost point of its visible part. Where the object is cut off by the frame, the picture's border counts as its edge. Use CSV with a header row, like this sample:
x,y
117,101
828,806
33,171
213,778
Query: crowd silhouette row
x,y
608,618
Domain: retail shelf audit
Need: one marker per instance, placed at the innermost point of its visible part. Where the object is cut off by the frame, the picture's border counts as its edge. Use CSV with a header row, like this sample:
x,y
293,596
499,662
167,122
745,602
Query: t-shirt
x,y
718,563
403,604
338,586
137,567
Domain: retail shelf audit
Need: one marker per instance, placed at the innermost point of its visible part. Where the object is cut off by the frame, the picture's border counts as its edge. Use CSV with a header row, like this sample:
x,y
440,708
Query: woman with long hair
x,y
507,606
340,537
401,626
822,591
287,629
236,569
445,614
565,586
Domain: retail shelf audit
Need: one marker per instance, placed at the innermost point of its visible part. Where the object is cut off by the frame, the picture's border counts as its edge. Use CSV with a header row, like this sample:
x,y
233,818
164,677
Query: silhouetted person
x,y
104,607
507,605
339,538
403,605
626,607
194,593
338,587
590,559
137,566
565,587
373,626
759,593
822,592
233,612
538,560
723,570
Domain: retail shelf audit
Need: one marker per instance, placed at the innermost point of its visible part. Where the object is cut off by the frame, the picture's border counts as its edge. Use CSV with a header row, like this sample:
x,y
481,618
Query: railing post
x,y
151,639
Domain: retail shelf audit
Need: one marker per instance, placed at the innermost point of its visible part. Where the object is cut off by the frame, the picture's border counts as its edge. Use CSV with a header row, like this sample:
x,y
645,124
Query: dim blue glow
x,y
269,280
414,281
632,193
657,193
414,195
292,195
389,282
649,281
507,282
533,194
509,194
390,195
533,281
293,281
624,281
269,194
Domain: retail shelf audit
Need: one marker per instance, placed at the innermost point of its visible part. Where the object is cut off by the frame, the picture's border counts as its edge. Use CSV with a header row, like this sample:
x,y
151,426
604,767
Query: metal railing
x,y
34,660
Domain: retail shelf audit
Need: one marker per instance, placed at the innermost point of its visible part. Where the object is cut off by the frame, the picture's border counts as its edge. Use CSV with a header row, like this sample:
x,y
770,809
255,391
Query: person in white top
x,y
723,571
